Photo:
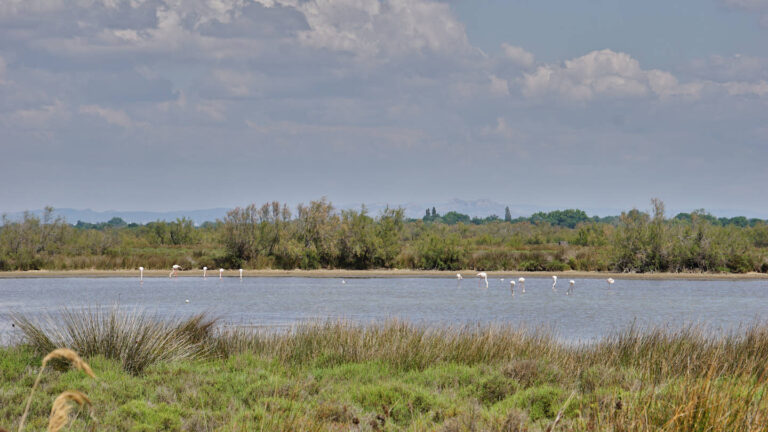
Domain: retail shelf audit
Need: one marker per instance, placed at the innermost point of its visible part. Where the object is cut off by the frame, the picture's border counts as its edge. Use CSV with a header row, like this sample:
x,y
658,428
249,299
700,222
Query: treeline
x,y
318,235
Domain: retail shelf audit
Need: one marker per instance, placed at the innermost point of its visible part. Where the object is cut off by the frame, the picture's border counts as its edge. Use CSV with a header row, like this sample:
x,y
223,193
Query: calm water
x,y
592,311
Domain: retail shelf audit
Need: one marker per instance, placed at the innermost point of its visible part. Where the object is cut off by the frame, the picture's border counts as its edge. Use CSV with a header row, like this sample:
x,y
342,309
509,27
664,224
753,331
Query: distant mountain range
x,y
142,217
474,208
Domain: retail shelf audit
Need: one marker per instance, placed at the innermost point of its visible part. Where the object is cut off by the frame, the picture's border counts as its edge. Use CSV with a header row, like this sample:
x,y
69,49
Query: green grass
x,y
396,376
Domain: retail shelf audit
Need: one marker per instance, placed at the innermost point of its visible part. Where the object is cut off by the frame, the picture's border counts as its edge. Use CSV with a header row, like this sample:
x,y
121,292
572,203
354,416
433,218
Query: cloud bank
x,y
316,97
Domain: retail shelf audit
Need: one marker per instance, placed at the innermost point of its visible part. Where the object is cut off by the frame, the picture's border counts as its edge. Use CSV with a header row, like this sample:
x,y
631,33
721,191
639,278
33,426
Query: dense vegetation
x,y
388,376
319,236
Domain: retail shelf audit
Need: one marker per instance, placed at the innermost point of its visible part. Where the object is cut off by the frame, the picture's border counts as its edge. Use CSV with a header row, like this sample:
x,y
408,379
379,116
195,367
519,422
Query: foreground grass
x,y
396,376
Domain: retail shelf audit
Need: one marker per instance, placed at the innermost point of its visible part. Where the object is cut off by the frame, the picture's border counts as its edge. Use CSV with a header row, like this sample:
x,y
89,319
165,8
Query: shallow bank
x,y
397,273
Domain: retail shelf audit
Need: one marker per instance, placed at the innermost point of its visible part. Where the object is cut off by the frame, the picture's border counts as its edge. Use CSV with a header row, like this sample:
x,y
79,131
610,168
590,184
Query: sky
x,y
167,104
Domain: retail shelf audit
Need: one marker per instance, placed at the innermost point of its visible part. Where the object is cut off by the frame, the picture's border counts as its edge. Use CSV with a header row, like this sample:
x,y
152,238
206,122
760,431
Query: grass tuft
x,y
136,338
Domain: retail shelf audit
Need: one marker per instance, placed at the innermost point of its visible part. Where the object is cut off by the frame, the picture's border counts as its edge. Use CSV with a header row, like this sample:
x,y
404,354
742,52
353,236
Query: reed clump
x,y
135,338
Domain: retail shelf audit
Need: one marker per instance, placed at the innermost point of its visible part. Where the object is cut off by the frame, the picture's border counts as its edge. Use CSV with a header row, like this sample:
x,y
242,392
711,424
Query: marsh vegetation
x,y
319,236
391,376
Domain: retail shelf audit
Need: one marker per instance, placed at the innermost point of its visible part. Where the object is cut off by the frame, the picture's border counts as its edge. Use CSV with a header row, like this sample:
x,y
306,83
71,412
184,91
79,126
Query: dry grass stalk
x,y
57,354
62,406
71,357
561,412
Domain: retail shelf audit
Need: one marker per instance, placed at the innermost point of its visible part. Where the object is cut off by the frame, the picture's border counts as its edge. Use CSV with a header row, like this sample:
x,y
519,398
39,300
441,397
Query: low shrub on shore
x,y
395,375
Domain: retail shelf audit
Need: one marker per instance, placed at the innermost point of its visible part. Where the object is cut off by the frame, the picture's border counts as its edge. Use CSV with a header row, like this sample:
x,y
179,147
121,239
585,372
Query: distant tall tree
x,y
427,215
507,215
434,213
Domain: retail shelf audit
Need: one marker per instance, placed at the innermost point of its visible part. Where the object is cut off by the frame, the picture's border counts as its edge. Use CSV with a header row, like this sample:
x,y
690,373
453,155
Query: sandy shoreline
x,y
379,274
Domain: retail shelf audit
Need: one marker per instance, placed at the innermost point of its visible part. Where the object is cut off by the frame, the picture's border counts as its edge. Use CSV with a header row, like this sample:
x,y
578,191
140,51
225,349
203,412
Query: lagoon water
x,y
591,312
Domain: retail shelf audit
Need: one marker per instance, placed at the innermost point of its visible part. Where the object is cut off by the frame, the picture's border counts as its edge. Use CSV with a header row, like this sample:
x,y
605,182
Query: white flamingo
x,y
458,276
554,282
610,282
175,271
570,287
141,274
241,274
483,276
205,269
512,287
522,283
221,272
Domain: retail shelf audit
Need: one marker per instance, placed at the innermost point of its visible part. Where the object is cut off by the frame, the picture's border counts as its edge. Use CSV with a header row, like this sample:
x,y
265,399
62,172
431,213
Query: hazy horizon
x,y
474,208
151,105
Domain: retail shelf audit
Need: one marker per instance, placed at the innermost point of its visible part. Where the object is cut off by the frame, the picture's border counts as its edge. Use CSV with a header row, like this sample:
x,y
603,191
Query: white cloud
x,y
111,116
504,130
736,88
599,73
518,55
610,74
733,67
215,110
371,28
236,83
499,86
43,117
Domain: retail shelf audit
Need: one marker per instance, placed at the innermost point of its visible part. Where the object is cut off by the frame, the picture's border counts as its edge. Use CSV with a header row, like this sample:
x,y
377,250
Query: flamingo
x,y
554,282
610,282
343,282
570,287
458,276
205,269
483,276
141,274
522,283
241,274
175,271
512,287
221,271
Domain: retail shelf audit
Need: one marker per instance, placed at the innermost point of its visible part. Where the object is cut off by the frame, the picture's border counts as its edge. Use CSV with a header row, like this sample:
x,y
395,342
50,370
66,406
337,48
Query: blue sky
x,y
168,104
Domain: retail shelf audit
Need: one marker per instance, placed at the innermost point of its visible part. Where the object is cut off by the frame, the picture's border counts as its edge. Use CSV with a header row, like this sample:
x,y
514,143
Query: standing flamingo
x,y
141,274
205,269
241,274
175,271
458,276
570,287
610,282
221,271
554,282
522,283
512,287
483,276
